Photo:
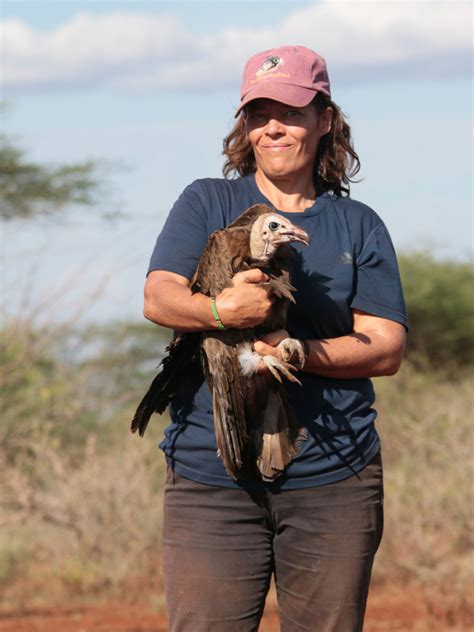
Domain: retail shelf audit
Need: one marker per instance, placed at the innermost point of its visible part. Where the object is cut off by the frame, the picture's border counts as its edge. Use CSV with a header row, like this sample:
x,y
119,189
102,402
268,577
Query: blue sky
x,y
152,87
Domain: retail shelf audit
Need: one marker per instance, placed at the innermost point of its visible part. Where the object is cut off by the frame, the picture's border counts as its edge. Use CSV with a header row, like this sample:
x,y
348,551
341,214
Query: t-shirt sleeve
x,y
378,289
183,237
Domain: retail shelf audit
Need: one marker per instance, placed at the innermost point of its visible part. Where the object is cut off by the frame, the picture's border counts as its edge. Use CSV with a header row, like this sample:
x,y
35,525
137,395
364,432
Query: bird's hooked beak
x,y
295,233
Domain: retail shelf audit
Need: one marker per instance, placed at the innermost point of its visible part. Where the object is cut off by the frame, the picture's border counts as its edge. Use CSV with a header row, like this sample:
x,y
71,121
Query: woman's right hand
x,y
247,302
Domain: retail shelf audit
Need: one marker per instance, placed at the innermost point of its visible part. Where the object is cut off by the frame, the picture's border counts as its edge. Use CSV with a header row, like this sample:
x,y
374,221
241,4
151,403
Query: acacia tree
x,y
35,382
28,189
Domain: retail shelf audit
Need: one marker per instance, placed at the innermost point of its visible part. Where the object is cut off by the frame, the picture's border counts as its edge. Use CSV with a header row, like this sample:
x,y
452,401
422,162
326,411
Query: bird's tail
x,y
276,435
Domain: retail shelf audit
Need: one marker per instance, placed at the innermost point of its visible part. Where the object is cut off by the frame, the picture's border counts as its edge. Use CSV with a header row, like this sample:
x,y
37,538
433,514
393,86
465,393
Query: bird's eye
x,y
273,225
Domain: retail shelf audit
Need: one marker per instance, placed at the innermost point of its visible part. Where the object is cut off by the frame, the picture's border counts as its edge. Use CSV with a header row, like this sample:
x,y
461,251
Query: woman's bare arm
x,y
374,348
169,302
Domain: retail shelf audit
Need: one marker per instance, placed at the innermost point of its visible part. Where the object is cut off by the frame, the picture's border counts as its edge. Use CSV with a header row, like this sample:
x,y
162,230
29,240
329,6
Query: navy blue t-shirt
x,y
349,264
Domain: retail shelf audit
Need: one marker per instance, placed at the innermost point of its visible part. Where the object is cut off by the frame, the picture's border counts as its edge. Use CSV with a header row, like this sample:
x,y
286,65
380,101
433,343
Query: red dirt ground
x,y
388,610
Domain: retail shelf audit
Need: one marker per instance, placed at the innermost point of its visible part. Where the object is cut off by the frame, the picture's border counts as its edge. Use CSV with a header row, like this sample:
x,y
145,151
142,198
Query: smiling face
x,y
285,139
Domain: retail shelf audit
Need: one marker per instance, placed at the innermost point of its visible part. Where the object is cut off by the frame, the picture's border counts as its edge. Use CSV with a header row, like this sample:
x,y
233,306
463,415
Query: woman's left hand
x,y
267,345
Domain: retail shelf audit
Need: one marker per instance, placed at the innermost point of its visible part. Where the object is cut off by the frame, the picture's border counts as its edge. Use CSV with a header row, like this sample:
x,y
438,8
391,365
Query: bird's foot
x,y
292,352
278,369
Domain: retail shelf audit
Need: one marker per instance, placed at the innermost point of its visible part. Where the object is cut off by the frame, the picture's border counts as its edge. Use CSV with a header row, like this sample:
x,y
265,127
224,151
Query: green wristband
x,y
219,322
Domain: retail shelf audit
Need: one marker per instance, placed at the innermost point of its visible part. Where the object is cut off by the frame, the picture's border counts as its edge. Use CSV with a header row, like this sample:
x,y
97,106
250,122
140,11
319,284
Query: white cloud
x,y
370,39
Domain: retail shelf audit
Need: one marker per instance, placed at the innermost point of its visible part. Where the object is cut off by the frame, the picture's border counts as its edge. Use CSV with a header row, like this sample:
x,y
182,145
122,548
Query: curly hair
x,y
336,160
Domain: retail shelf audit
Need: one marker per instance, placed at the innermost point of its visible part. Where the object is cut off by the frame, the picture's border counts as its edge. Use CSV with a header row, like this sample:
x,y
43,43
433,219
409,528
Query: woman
x,y
318,526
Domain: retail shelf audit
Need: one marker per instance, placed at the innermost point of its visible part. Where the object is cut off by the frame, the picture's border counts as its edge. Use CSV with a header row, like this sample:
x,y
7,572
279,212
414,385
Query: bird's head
x,y
270,231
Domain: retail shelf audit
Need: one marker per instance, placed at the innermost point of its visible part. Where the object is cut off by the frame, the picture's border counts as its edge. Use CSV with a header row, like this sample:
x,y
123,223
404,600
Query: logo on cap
x,y
270,64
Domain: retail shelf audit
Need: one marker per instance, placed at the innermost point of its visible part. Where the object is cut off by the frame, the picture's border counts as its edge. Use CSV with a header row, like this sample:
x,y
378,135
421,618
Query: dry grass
x,y
426,426
87,524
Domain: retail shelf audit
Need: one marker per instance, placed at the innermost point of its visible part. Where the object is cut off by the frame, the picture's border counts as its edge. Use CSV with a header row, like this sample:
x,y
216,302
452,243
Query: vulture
x,y
256,432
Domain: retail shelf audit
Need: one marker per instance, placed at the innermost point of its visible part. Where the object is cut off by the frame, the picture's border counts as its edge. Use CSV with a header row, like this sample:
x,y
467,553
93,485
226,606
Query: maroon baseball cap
x,y
290,74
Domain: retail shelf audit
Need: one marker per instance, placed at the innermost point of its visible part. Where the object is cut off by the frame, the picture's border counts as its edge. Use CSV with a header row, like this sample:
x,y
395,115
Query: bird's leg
x,y
292,352
251,361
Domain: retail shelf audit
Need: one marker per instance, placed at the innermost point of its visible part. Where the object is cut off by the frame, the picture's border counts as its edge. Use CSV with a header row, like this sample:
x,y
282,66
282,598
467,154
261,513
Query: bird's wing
x,y
225,252
215,270
223,255
222,258
181,353
248,217
229,393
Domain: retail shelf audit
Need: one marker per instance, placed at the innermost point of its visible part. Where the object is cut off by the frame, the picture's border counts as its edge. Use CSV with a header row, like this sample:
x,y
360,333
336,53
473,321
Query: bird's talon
x,y
280,369
275,373
292,352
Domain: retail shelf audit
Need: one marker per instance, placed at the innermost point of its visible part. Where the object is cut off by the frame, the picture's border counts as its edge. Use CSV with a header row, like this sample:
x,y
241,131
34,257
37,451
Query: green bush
x,y
440,302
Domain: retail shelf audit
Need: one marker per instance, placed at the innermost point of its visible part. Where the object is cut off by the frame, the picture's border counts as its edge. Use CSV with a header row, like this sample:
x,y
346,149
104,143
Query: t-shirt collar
x,y
318,205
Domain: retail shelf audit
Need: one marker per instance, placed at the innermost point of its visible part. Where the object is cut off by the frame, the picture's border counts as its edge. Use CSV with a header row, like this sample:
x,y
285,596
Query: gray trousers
x,y
221,547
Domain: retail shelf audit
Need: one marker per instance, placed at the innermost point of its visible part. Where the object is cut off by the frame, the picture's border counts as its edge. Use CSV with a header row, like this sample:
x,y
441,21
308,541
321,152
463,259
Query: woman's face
x,y
285,139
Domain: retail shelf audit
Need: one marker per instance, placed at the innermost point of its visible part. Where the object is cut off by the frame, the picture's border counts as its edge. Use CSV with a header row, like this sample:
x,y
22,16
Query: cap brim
x,y
283,92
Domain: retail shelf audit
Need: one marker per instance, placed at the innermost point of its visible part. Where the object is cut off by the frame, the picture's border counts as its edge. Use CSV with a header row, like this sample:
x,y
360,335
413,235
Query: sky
x,y
149,89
